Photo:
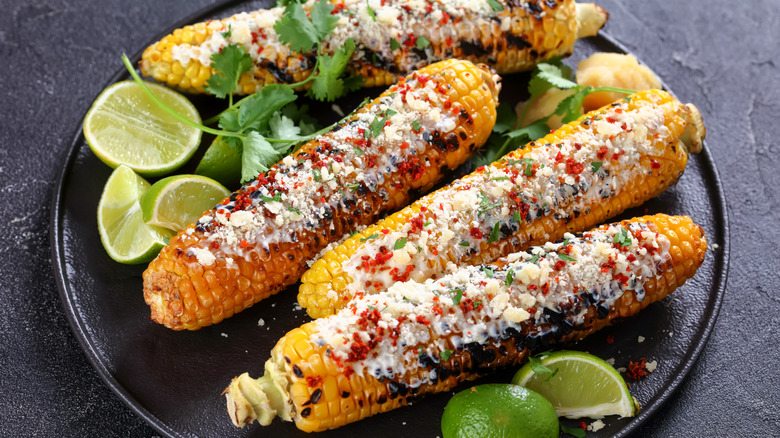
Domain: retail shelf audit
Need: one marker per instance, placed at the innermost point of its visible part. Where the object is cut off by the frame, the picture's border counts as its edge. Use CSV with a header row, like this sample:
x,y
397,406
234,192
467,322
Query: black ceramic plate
x,y
174,380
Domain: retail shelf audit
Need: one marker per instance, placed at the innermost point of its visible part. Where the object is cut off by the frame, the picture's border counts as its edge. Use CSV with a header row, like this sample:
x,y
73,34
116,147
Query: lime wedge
x,y
124,126
582,385
222,162
178,201
497,410
125,236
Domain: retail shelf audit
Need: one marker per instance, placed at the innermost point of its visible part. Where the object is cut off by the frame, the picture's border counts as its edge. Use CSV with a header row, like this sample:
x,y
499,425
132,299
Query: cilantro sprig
x,y
552,74
266,125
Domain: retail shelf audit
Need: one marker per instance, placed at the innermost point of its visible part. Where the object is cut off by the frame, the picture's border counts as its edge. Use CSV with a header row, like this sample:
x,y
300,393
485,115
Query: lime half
x,y
222,162
124,235
177,201
125,126
582,385
499,410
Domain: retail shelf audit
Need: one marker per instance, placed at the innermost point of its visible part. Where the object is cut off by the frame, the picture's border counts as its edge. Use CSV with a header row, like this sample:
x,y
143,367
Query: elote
x,y
386,350
392,38
257,241
570,180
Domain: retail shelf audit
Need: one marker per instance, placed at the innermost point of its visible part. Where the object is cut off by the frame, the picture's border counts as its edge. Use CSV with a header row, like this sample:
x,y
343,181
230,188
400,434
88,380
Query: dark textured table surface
x,y
58,55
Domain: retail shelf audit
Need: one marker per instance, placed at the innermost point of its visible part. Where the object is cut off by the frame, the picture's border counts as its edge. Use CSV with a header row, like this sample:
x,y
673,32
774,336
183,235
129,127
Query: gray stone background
x,y
56,55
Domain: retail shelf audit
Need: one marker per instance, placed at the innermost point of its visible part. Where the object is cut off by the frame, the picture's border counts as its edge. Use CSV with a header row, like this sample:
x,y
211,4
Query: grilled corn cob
x,y
387,349
393,37
257,242
570,180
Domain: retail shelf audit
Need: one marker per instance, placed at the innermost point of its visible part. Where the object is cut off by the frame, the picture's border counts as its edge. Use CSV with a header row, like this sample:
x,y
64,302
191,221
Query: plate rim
x,y
79,329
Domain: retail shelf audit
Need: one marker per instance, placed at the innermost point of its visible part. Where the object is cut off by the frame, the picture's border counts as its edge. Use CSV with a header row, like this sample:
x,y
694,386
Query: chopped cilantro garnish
x,y
488,271
445,355
464,243
485,204
370,11
510,276
458,296
276,198
371,237
595,166
353,186
496,6
358,151
228,32
529,164
500,178
317,174
566,258
294,210
400,243
416,126
422,42
376,126
538,367
494,233
394,44
534,259
427,223
622,238
517,217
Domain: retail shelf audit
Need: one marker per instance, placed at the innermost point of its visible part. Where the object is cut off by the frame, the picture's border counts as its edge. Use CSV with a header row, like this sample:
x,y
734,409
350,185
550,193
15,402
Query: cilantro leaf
x,y
228,64
458,296
576,432
322,18
370,11
505,118
534,131
510,276
282,126
257,109
445,355
257,155
400,243
422,42
488,271
547,76
295,29
570,107
595,166
328,85
394,44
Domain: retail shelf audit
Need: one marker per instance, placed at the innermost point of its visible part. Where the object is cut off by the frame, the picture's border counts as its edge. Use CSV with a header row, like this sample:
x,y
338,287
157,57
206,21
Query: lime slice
x,y
499,410
582,386
222,162
124,126
125,236
178,201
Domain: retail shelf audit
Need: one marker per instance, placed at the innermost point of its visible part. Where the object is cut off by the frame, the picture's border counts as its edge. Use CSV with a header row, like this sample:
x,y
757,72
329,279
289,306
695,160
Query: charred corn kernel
x,y
257,241
418,338
400,37
573,178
